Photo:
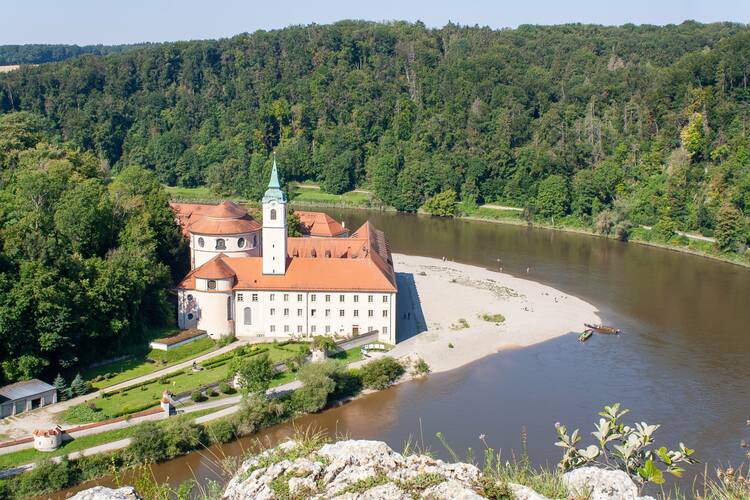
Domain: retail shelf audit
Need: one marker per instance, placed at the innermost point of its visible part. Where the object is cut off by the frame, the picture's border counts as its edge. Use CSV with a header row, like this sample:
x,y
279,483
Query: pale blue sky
x,y
127,21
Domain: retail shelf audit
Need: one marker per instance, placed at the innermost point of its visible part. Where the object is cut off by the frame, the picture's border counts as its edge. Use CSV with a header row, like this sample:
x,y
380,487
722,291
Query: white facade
x,y
274,237
205,247
284,314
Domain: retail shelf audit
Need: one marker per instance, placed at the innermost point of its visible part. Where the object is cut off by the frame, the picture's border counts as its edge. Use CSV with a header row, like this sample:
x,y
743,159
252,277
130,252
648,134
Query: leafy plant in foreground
x,y
622,447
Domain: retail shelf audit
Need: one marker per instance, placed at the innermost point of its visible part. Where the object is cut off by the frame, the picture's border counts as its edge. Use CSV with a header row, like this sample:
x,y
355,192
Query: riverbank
x,y
452,314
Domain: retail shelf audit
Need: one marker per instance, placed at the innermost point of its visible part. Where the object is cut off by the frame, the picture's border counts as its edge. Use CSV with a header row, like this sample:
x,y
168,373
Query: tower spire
x,y
274,191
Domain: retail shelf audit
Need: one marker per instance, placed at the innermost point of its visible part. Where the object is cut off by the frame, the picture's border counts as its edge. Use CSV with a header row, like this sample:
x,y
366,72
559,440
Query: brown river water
x,y
683,360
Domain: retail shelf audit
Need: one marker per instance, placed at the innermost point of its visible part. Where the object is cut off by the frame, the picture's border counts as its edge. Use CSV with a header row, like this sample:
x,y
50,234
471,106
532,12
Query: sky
x,y
86,22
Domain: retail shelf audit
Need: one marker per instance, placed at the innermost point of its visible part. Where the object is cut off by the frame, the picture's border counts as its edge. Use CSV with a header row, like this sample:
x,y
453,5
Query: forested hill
x,y
44,53
611,125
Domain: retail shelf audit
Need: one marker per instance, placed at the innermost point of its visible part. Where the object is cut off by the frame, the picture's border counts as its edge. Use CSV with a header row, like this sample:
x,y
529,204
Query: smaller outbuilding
x,y
25,396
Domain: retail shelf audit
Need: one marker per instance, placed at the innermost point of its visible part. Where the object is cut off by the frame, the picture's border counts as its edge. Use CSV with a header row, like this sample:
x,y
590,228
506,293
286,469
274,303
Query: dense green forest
x,y
44,53
87,260
607,126
613,125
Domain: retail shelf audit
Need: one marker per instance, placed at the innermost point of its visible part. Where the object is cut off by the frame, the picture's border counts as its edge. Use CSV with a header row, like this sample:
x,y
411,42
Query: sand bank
x,y
435,296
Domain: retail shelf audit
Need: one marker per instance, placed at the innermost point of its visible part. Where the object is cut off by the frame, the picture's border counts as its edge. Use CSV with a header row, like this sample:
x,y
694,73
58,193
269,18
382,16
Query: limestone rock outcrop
x,y
103,493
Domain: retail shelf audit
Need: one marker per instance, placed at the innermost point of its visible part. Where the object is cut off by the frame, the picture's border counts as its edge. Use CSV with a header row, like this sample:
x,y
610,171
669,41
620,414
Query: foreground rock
x,y
102,493
371,470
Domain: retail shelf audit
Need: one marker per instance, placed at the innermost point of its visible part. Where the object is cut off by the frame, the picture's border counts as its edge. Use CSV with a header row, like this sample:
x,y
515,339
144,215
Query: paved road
x,y
691,236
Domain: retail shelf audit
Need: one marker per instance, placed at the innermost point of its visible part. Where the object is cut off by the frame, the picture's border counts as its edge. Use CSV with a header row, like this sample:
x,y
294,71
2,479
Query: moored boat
x,y
602,328
585,335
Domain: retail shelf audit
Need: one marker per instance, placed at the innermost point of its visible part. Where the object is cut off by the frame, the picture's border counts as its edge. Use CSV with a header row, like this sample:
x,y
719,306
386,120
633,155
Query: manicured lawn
x,y
31,455
307,195
137,365
349,356
215,370
188,194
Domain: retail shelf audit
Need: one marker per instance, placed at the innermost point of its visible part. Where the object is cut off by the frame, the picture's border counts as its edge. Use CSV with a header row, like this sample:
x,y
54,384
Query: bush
x,y
45,477
255,373
79,386
422,368
324,343
211,393
319,383
442,204
148,443
225,388
181,436
164,380
83,414
197,396
381,373
225,341
221,431
253,414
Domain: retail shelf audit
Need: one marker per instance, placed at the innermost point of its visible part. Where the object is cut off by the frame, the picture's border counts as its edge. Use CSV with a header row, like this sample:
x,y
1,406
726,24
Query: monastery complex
x,y
252,280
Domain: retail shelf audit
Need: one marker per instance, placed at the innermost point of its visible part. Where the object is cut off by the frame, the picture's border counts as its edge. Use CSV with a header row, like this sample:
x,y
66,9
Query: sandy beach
x,y
442,303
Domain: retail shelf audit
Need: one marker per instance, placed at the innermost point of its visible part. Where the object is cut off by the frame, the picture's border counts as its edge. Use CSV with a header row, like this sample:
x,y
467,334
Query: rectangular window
x,y
273,311
385,313
299,312
239,297
286,328
286,297
286,311
356,298
299,297
385,330
328,329
385,299
341,313
312,313
273,328
341,298
271,297
370,313
328,313
356,313
328,298
299,328
312,329
369,298
312,297
254,297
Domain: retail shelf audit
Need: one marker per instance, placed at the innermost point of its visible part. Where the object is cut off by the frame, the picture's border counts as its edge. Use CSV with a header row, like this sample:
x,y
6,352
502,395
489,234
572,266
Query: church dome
x,y
224,218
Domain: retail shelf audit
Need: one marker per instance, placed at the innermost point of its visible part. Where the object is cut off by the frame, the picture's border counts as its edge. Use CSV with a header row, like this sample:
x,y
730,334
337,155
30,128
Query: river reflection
x,y
682,361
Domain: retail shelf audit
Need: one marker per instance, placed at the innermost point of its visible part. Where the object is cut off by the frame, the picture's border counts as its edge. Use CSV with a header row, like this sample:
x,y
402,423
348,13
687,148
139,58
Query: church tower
x,y
274,226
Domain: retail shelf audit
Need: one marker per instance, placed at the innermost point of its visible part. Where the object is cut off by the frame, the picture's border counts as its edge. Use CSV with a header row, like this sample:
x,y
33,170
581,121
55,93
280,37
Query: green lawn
x,y
215,370
312,196
31,455
133,367
190,194
349,356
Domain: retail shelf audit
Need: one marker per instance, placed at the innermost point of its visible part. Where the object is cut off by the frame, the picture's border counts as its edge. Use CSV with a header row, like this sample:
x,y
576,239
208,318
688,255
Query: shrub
x,y
225,341
319,382
83,414
211,393
442,204
381,373
422,368
181,436
45,477
148,443
324,343
225,388
493,318
163,380
450,345
623,447
253,413
197,396
221,431
255,373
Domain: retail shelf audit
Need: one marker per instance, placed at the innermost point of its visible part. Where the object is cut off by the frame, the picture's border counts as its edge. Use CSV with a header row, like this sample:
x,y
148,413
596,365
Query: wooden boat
x,y
585,335
602,329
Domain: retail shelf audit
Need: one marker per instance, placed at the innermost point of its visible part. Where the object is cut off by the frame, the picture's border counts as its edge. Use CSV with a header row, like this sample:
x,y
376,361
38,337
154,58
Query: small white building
x,y
280,286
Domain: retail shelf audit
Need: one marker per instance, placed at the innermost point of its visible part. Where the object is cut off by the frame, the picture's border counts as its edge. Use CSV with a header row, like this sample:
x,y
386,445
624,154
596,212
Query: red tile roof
x,y
320,224
222,219
215,269
360,263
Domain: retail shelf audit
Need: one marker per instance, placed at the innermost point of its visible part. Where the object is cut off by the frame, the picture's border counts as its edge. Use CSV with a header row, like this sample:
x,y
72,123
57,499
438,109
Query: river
x,y
683,360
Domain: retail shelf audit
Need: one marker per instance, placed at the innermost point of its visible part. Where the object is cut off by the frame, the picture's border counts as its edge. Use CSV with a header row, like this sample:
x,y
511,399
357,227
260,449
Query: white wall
x,y
274,238
199,255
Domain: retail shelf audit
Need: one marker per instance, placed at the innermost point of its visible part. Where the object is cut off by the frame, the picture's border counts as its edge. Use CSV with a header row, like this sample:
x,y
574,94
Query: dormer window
x,y
273,214
221,244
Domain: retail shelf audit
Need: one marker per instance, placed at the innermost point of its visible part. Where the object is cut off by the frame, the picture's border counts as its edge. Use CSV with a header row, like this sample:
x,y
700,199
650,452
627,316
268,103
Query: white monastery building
x,y
250,280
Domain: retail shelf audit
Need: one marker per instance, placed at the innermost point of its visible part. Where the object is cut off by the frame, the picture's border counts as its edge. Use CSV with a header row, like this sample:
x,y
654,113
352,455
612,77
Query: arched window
x,y
247,316
241,242
229,308
273,214
201,242
221,244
